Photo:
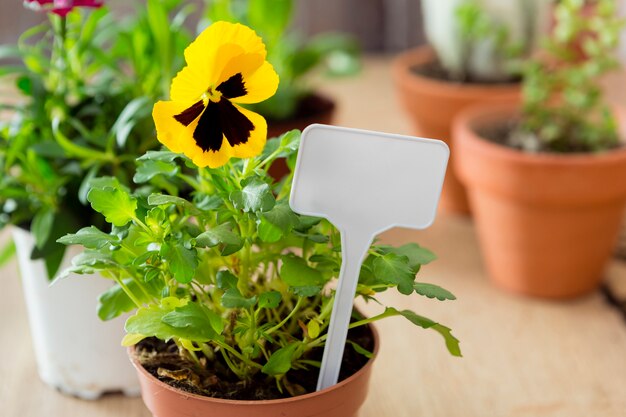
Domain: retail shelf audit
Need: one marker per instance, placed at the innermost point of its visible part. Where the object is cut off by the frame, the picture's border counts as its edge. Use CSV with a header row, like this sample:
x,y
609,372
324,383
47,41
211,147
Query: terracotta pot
x,y
341,400
547,223
432,104
312,109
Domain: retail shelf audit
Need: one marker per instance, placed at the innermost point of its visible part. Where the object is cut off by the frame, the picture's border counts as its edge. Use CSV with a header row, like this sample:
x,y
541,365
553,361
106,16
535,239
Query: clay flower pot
x,y
341,400
432,104
312,109
547,223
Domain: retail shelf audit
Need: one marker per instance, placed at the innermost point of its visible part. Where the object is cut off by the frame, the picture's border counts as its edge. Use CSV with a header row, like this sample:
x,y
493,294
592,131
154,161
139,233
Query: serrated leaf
x,y
452,343
90,237
256,195
221,234
117,206
280,361
182,261
148,322
150,169
270,299
416,254
232,298
196,319
163,199
394,269
433,291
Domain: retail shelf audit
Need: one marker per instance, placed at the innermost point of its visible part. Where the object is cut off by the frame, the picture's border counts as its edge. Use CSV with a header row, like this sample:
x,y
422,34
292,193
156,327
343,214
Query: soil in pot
x,y
216,380
432,101
311,109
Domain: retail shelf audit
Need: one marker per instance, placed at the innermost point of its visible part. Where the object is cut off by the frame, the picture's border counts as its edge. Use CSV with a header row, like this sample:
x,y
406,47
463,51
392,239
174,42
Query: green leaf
x,y
232,298
150,169
226,280
220,235
7,252
114,301
277,222
42,226
197,320
394,269
361,350
148,321
136,109
269,299
182,261
296,273
416,254
452,343
255,196
117,205
433,291
162,156
270,17
90,237
307,291
163,200
280,361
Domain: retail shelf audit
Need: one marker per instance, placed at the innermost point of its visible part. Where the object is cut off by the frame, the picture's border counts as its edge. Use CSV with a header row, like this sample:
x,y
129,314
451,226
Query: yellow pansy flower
x,y
226,67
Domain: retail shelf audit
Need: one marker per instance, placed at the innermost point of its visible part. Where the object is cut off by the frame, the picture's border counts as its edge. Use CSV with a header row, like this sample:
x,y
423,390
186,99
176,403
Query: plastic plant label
x,y
364,183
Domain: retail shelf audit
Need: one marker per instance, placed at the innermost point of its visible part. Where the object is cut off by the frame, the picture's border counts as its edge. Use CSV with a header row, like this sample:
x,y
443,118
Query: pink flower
x,y
61,7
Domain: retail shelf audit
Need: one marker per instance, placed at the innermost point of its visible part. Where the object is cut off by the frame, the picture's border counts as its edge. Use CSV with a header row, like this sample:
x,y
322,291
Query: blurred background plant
x,y
484,40
86,85
292,56
564,106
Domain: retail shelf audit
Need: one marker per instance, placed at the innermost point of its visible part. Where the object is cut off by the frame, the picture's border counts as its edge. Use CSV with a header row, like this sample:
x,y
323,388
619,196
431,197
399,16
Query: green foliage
x,y
200,269
564,106
81,108
292,57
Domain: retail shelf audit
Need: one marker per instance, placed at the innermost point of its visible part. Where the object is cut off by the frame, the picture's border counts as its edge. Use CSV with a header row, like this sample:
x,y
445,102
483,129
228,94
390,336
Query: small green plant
x,y
564,106
229,275
86,85
292,57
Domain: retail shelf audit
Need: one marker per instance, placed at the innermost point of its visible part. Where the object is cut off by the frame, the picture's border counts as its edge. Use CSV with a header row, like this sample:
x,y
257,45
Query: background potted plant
x,y
230,287
475,55
81,113
543,179
296,104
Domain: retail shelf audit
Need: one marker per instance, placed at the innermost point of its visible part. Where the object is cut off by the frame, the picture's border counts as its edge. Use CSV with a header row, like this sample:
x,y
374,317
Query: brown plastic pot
x,y
432,105
341,400
312,109
547,223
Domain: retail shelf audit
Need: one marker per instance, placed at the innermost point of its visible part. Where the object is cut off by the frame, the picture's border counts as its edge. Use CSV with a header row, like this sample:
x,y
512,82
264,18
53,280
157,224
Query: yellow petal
x,y
256,142
260,85
244,64
170,132
209,54
213,159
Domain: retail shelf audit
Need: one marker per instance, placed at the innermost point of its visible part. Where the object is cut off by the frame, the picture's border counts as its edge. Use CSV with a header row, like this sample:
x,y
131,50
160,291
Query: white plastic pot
x,y
76,352
484,60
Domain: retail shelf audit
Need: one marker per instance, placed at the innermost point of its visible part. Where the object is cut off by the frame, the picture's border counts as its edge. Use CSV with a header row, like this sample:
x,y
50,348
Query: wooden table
x,y
522,357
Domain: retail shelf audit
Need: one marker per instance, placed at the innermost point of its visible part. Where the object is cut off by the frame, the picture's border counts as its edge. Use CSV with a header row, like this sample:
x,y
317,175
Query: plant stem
x,y
282,323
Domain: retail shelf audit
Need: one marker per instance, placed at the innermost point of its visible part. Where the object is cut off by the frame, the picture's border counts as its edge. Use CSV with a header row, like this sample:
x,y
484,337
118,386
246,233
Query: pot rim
x,y
139,368
483,113
401,69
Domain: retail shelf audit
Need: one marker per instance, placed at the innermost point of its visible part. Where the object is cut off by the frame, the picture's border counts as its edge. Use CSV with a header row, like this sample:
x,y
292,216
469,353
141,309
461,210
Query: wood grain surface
x,y
522,357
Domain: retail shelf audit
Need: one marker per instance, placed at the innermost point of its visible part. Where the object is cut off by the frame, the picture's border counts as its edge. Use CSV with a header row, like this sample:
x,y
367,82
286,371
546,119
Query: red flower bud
x,y
61,7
